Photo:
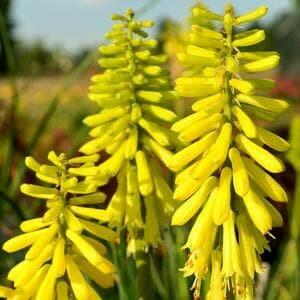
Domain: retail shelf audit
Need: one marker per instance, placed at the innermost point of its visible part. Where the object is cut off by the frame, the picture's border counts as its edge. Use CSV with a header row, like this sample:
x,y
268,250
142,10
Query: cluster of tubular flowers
x,y
65,247
223,171
134,94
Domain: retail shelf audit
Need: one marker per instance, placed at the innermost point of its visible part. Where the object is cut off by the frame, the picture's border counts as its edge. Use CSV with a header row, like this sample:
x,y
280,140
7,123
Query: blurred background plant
x,y
43,101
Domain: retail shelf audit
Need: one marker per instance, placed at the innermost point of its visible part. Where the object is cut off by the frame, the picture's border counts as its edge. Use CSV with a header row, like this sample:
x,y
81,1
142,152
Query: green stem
x,y
13,205
9,150
295,220
143,279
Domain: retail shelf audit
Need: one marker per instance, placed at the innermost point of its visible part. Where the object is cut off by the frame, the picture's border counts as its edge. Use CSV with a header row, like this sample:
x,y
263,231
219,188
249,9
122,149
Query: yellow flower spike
x,y
240,176
57,237
221,210
226,100
133,92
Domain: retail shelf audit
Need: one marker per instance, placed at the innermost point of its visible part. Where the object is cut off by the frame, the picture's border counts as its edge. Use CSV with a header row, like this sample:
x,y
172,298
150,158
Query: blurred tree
x,y
36,58
286,36
5,10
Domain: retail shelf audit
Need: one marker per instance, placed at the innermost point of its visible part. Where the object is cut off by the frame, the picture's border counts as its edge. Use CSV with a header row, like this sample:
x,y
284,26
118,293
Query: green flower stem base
x,y
143,279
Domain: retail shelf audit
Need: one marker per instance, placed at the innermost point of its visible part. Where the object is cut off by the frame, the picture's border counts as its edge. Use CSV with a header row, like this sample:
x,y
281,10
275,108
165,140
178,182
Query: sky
x,y
76,24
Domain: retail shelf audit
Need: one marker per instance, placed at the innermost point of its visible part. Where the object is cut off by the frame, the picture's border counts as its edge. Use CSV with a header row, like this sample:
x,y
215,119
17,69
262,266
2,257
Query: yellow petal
x,y
265,181
219,150
240,176
189,208
78,283
143,174
58,261
221,210
262,156
258,212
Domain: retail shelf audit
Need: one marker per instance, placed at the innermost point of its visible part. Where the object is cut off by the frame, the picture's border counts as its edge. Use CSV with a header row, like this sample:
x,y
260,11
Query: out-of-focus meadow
x,y
43,99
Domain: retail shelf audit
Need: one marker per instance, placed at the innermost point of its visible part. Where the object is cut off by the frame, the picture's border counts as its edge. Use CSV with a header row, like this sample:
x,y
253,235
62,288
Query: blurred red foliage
x,y
288,87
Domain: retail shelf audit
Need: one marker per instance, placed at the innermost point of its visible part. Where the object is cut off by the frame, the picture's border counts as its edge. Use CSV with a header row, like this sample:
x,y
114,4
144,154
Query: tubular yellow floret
x,y
252,15
222,207
240,176
226,154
